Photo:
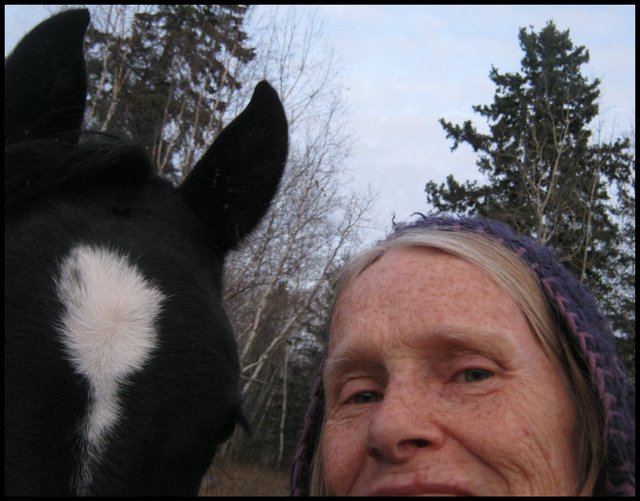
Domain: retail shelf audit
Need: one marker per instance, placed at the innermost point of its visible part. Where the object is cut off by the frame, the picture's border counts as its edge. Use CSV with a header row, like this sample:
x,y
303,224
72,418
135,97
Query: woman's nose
x,y
399,429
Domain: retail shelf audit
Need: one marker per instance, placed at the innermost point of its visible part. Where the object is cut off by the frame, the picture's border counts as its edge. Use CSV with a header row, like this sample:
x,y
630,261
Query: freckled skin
x,y
405,407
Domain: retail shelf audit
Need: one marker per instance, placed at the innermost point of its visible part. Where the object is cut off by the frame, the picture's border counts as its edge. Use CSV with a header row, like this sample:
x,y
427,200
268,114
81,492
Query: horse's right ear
x,y
45,80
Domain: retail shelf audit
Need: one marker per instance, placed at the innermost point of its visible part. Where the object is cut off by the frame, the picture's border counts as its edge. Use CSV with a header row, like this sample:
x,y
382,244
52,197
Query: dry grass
x,y
235,479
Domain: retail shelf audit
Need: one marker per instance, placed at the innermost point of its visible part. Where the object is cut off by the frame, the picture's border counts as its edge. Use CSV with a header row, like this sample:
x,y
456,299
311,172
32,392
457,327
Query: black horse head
x,y
121,369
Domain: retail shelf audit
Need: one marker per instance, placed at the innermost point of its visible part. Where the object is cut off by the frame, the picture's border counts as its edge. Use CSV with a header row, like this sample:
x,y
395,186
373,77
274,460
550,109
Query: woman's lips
x,y
416,489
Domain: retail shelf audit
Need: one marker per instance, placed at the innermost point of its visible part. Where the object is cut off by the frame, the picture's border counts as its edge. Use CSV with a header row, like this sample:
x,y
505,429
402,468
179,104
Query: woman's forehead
x,y
411,270
415,290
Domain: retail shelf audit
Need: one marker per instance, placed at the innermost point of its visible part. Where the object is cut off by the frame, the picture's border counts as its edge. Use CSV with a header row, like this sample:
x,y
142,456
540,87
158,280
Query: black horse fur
x,y
121,368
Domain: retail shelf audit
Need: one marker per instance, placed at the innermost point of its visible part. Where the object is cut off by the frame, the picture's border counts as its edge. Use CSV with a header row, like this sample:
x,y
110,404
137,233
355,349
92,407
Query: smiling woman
x,y
463,359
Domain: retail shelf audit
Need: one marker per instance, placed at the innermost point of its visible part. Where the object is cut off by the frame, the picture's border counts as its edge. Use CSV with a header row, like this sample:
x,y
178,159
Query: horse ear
x,y
232,186
45,80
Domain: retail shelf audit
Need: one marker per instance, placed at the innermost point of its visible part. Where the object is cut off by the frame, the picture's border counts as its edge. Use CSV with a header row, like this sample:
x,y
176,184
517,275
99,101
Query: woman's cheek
x,y
343,451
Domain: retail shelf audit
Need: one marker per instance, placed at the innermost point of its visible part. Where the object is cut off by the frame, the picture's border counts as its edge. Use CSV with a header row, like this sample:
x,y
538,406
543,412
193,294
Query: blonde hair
x,y
511,273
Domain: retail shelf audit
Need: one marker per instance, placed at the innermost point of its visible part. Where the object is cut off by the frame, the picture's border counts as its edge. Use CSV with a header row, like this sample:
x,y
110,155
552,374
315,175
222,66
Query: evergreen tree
x,y
547,177
166,76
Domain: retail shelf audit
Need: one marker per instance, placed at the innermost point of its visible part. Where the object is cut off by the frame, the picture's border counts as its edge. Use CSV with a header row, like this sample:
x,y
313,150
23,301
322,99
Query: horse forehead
x,y
110,310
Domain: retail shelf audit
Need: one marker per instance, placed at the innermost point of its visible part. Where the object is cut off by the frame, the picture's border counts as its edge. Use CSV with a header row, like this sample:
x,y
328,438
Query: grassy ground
x,y
235,479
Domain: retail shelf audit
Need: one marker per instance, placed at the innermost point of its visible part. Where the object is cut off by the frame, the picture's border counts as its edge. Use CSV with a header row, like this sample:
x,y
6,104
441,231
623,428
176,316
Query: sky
x,y
405,66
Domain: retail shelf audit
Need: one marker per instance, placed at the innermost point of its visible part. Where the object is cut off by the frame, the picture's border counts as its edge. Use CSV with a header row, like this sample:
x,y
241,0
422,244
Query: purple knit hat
x,y
589,332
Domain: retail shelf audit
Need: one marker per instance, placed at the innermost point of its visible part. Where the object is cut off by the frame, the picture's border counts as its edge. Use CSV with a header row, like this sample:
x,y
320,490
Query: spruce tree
x,y
166,76
547,176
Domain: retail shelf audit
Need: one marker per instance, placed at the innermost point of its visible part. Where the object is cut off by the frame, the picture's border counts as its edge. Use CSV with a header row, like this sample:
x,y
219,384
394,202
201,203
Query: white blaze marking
x,y
108,332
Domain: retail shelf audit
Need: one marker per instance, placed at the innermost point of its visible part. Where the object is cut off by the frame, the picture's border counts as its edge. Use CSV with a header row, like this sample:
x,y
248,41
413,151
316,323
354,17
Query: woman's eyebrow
x,y
471,338
442,341
350,358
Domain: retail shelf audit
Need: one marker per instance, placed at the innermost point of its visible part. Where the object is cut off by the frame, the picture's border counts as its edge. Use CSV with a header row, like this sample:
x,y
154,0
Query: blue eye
x,y
475,375
366,397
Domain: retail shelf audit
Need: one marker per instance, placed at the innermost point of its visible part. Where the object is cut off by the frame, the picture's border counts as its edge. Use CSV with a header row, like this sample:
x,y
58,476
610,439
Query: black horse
x,y
121,369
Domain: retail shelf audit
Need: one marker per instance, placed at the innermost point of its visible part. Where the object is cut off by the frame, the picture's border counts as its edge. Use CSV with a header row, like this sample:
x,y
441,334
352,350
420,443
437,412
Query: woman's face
x,y
435,384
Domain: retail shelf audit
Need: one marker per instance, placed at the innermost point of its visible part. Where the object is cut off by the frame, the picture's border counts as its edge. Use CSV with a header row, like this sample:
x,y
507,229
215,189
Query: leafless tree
x,y
285,268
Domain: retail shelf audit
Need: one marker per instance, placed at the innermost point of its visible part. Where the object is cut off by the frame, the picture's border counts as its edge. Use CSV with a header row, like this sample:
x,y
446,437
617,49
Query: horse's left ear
x,y
232,186
45,80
